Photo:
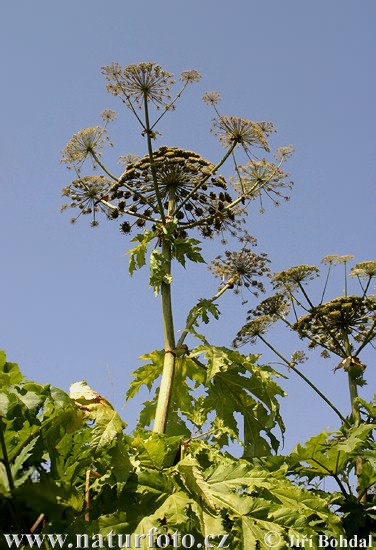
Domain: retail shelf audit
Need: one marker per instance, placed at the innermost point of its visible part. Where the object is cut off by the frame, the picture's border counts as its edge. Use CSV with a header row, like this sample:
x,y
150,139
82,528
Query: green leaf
x,y
4,403
236,384
20,474
157,451
107,426
138,253
193,480
187,248
146,374
10,374
330,453
159,271
201,310
107,421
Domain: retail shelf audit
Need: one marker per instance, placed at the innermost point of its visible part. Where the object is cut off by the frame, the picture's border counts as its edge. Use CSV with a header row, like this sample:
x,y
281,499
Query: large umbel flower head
x,y
188,188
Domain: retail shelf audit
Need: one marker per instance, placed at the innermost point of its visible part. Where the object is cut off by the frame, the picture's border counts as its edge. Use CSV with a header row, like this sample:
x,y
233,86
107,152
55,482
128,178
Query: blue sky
x,y
69,310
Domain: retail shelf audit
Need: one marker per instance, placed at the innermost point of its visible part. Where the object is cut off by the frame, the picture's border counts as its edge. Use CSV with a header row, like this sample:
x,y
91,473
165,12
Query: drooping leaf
x,y
108,423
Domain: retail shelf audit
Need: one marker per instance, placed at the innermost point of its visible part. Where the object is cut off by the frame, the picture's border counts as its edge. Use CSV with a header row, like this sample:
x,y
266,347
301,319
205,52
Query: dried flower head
x,y
86,194
190,76
84,144
249,333
242,268
211,98
241,131
139,83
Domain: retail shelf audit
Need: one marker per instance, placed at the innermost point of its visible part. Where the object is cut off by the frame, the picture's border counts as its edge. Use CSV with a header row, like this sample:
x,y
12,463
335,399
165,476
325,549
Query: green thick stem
x,y
165,389
353,389
355,412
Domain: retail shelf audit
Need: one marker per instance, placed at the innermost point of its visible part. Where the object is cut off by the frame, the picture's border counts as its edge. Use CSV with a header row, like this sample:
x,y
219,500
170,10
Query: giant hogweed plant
x,y
171,198
66,463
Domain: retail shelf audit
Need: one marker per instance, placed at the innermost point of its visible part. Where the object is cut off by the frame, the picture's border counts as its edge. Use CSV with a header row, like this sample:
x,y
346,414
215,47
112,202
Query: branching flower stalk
x,y
256,329
343,326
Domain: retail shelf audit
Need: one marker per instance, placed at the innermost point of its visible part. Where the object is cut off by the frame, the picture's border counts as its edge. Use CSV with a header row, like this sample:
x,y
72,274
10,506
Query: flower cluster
x,y
190,76
240,131
276,307
242,268
87,194
335,259
295,276
333,323
186,186
259,177
249,333
144,81
284,152
108,115
364,270
86,143
211,98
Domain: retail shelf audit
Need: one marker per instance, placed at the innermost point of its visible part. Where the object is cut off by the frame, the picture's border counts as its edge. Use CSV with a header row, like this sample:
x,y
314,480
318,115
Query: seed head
x,y
243,269
86,194
335,259
260,177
